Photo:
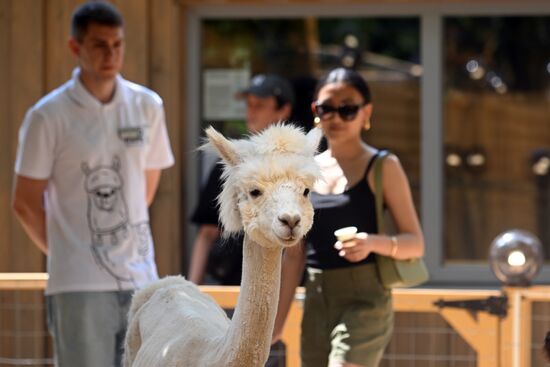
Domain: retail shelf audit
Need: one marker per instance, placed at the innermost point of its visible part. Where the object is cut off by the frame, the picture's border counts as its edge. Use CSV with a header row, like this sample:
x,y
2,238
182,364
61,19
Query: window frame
x,y
431,18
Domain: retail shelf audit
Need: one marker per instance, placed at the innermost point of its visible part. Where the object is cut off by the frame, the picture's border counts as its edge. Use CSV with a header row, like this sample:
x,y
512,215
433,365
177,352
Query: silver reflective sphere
x,y
516,257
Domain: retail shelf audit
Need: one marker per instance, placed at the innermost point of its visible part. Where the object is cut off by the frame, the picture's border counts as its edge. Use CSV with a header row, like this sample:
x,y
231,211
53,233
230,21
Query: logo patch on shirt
x,y
131,135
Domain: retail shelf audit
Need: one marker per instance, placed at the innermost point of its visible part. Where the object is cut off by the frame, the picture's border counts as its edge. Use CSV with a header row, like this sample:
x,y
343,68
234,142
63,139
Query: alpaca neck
x,y
248,339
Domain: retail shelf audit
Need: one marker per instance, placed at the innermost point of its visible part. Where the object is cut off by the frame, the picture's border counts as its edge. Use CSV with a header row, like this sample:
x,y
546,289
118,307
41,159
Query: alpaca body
x,y
189,320
192,322
267,180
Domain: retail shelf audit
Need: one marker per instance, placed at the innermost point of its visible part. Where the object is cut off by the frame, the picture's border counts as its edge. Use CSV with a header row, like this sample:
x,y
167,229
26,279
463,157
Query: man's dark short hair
x,y
98,12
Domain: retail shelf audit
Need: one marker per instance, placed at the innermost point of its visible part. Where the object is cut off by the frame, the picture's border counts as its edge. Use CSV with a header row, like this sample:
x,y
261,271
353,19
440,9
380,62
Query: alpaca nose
x,y
290,221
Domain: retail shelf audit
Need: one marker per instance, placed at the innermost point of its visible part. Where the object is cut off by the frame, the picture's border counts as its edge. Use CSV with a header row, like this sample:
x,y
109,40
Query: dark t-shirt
x,y
353,207
225,258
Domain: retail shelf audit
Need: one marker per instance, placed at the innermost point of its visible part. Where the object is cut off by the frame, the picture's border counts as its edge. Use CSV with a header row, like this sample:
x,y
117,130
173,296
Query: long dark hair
x,y
347,76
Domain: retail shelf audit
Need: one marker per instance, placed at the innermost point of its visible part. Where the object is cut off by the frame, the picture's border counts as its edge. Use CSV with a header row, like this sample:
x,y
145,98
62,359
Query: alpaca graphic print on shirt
x,y
107,215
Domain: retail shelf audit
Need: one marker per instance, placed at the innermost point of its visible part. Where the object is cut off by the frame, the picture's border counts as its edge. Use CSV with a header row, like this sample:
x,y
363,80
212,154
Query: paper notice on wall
x,y
219,89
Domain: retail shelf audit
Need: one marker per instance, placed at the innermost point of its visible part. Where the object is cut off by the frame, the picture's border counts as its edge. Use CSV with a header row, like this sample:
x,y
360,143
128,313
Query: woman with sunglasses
x,y
348,318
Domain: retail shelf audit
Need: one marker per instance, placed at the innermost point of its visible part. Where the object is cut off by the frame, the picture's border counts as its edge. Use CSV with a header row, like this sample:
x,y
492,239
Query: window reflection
x,y
385,50
497,131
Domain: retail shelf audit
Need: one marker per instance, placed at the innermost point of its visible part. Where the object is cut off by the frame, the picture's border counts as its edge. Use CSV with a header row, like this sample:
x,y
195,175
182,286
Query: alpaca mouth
x,y
289,241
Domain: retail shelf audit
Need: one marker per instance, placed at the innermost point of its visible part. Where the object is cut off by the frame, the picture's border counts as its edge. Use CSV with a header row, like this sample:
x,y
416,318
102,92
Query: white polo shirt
x,y
94,157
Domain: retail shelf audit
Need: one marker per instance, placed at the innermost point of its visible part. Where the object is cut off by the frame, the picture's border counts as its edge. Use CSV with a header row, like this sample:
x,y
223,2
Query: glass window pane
x,y
385,50
497,131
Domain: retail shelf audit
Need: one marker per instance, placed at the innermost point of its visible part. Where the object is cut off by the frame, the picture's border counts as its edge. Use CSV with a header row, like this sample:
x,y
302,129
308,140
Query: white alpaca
x,y
267,179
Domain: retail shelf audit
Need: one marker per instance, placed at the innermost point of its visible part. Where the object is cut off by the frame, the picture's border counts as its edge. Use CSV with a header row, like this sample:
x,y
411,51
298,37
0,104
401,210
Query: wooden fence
x,y
448,327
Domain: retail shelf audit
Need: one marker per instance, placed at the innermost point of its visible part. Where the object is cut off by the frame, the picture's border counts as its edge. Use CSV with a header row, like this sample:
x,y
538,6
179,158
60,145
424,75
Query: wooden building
x,y
426,118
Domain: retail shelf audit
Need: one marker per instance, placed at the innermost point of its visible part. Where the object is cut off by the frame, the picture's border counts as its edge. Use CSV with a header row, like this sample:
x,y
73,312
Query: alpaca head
x,y
267,180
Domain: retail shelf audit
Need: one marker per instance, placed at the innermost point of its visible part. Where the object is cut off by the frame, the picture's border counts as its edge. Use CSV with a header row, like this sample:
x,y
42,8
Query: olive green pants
x,y
348,317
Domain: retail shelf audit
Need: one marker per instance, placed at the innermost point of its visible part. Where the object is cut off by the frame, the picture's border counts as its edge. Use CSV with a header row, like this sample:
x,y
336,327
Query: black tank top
x,y
353,207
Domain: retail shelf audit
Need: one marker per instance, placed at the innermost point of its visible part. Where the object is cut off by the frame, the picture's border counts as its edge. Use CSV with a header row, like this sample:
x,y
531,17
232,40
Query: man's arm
x,y
28,205
294,260
208,233
152,178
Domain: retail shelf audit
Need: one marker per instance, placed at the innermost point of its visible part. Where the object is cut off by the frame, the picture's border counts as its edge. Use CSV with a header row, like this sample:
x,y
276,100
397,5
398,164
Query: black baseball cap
x,y
266,85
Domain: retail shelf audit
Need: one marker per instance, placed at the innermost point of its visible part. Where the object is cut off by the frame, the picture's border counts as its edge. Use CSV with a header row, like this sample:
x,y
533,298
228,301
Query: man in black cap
x,y
269,99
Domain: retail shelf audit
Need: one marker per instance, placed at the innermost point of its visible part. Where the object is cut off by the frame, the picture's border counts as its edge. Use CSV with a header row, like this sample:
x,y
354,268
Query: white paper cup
x,y
345,234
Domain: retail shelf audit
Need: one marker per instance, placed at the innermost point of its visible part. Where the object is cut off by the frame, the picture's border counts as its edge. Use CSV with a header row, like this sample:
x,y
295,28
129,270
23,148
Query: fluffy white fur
x,y
267,177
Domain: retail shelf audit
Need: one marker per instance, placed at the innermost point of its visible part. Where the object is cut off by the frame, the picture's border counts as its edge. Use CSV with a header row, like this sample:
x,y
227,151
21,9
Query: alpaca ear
x,y
313,138
225,147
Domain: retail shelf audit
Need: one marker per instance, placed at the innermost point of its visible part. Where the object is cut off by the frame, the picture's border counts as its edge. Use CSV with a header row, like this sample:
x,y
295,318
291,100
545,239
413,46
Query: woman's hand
x,y
355,250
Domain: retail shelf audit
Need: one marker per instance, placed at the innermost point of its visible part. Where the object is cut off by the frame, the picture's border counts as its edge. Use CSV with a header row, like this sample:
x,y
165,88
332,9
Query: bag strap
x,y
379,190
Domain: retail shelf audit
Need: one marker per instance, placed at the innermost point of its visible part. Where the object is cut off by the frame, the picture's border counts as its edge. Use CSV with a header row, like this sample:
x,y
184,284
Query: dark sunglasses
x,y
347,111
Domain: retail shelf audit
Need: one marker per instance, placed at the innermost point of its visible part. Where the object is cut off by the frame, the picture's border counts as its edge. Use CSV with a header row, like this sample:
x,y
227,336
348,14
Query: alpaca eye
x,y
255,193
306,192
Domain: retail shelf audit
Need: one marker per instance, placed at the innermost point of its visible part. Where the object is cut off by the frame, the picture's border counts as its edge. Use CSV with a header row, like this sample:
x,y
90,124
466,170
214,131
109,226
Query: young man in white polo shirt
x,y
88,165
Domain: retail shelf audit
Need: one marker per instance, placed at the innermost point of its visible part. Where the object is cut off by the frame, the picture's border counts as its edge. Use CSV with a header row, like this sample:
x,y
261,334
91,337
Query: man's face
x,y
101,51
262,112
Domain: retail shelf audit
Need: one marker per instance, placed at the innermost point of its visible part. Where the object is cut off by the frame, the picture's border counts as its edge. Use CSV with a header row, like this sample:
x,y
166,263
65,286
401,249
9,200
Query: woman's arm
x,y
409,240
